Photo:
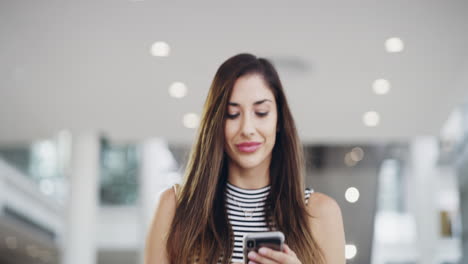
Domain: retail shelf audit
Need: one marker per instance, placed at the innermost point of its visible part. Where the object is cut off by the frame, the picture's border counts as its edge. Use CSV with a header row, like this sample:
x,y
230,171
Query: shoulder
x,y
327,227
167,202
165,208
322,206
155,251
170,193
167,198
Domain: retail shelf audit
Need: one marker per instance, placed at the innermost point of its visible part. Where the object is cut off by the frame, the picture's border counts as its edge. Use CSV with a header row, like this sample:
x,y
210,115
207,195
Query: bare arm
x,y
155,250
327,227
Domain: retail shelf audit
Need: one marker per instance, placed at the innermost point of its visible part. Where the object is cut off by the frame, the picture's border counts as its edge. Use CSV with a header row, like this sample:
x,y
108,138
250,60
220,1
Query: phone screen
x,y
253,242
257,243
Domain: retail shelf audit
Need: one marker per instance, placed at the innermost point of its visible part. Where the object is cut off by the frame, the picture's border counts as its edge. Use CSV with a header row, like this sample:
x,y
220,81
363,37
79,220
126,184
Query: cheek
x,y
270,127
229,131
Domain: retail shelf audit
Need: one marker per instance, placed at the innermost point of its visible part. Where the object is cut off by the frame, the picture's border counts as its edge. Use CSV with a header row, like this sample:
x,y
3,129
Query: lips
x,y
248,147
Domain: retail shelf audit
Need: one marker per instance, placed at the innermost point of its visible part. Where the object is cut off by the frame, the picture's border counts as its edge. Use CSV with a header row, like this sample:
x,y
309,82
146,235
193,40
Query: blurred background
x,y
100,101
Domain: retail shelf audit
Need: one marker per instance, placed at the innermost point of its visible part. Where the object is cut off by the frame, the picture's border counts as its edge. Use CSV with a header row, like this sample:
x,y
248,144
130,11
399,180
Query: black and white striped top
x,y
246,213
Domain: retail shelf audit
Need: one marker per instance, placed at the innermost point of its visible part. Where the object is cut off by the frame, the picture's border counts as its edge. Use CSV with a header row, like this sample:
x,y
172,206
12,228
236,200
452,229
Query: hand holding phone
x,y
254,241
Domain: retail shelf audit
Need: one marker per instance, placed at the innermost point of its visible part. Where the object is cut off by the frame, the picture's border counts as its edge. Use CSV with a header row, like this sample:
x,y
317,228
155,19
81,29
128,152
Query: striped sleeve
x,y
308,192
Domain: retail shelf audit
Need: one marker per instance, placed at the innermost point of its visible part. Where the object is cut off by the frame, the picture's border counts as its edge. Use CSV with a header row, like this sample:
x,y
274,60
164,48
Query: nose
x,y
248,126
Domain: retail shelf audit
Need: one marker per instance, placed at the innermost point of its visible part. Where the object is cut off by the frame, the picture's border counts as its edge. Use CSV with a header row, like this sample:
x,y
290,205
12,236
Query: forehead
x,y
249,89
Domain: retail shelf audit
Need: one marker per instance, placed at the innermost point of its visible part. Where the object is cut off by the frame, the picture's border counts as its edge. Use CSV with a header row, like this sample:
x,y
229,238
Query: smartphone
x,y
254,241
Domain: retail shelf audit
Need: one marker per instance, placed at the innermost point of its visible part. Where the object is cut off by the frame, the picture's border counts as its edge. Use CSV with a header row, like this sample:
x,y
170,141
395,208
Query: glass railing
x,y
119,174
46,163
422,197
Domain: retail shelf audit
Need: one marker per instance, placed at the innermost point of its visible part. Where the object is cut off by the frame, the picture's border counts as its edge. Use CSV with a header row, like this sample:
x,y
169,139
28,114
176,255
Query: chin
x,y
248,164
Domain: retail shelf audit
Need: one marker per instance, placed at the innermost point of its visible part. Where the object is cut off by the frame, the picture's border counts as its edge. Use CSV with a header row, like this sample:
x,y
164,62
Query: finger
x,y
288,250
259,259
255,257
274,255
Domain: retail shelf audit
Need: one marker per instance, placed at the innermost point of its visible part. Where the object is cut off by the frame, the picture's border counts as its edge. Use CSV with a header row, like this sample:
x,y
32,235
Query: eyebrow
x,y
256,103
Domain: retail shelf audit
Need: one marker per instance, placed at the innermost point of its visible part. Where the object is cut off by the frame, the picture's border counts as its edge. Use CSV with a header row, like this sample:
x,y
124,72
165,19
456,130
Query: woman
x,y
246,166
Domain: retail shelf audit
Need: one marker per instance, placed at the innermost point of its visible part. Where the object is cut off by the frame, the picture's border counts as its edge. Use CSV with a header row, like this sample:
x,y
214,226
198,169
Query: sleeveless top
x,y
246,213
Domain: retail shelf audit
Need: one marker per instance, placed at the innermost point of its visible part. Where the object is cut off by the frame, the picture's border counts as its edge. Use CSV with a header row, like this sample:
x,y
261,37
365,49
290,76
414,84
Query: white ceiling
x,y
85,65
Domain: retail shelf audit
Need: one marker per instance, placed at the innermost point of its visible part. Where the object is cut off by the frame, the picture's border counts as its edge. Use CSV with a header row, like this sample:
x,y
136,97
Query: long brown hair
x,y
200,229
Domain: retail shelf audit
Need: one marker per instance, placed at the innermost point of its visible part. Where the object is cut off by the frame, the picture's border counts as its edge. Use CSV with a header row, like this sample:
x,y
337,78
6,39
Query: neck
x,y
249,178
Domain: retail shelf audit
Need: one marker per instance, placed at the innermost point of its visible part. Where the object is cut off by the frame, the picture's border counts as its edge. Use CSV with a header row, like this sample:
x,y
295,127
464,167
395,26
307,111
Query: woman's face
x,y
251,122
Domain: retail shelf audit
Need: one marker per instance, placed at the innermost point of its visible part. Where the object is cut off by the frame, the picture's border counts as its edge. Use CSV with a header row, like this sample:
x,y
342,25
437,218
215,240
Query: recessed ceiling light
x,y
381,86
357,154
352,194
371,119
349,161
393,45
178,90
191,120
350,251
160,49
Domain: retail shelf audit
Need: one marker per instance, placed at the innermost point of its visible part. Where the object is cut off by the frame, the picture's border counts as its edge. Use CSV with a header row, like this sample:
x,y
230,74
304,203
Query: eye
x,y
262,114
233,116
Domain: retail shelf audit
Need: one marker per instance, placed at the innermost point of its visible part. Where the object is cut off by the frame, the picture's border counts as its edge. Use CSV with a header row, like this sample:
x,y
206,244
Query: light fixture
x,y
191,120
381,86
357,154
350,251
349,161
178,90
393,45
352,194
371,119
160,49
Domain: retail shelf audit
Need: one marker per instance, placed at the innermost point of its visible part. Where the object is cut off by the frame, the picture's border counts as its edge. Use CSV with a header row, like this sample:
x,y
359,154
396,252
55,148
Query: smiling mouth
x,y
248,147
